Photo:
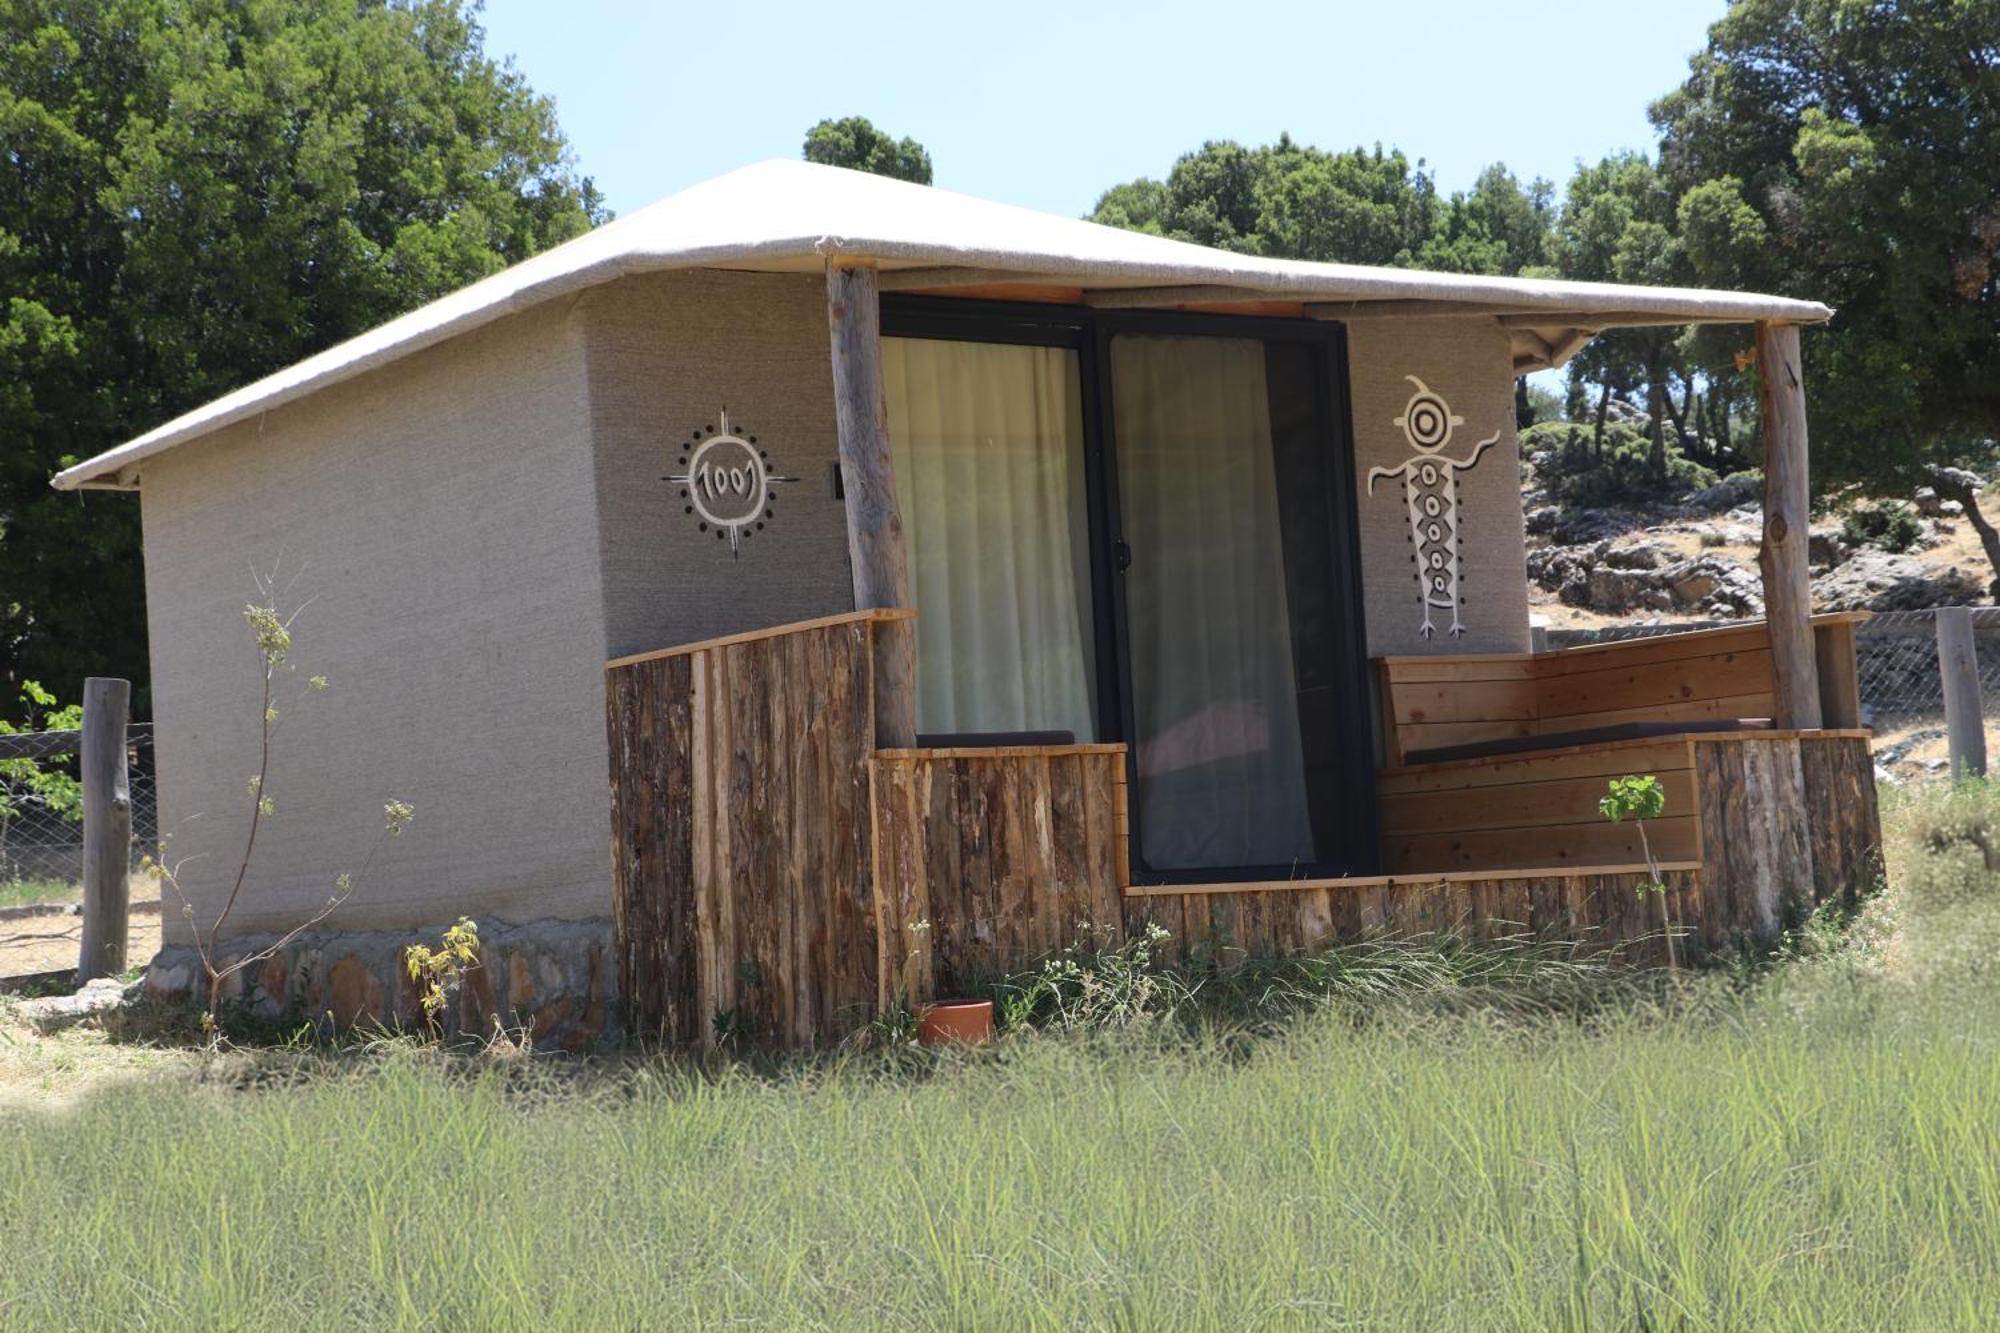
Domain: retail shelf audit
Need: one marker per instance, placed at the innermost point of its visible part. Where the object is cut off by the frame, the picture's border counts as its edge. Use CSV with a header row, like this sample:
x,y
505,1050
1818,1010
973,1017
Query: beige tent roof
x,y
785,216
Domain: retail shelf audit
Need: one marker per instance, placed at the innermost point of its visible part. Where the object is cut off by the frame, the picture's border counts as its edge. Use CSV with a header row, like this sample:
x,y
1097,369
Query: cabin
x,y
814,593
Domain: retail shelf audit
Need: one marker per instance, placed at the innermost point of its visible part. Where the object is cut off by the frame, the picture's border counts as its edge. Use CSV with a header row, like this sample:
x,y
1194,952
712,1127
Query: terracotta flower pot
x,y
968,1022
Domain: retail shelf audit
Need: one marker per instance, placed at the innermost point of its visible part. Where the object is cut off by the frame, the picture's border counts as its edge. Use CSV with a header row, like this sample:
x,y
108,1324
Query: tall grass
x,y
1814,1151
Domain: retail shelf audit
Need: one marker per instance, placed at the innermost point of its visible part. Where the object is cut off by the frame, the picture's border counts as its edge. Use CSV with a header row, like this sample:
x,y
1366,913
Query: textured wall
x,y
439,518
667,353
1467,361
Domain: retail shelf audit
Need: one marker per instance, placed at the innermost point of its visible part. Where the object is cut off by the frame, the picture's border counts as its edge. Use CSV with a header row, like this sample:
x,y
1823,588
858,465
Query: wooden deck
x,y
777,876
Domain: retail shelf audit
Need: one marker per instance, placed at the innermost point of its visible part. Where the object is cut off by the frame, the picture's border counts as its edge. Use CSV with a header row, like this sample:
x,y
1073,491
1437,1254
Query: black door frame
x,y
1088,332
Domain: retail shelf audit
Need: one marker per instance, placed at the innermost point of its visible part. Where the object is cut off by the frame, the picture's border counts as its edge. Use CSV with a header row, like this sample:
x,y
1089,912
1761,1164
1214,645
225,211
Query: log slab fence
x,y
778,878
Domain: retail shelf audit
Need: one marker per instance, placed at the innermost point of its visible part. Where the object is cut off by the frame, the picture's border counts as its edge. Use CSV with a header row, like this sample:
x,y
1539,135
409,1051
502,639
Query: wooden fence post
x,y
107,828
1958,665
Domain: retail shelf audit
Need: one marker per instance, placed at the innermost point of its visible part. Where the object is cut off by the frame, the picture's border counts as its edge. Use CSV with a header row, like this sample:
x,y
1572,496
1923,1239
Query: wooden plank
x,y
1014,910
1644,687
1052,913
1521,805
723,987
1101,792
1595,842
975,853
877,558
815,908
851,873
1782,555
953,949
1839,674
874,615
749,818
1069,847
1756,848
1464,701
1843,821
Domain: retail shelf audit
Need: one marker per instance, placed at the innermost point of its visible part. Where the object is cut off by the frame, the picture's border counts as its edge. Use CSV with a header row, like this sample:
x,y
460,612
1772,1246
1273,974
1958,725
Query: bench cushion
x,y
1624,731
991,740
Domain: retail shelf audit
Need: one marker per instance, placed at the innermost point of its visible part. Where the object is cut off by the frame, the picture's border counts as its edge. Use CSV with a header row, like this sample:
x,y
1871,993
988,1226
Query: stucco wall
x,y
1467,361
667,353
438,520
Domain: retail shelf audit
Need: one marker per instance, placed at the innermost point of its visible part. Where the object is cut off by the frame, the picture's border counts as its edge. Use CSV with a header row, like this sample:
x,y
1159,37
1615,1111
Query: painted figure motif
x,y
1430,485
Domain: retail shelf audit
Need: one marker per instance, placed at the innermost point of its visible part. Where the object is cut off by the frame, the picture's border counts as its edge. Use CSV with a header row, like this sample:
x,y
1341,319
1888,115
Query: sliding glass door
x,y
1140,528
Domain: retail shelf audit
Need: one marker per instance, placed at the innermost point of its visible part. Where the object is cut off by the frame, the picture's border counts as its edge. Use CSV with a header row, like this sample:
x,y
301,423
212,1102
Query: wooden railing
x,y
990,859
777,876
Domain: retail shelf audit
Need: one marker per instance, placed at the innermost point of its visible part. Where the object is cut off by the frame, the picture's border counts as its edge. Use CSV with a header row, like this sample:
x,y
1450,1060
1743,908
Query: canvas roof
x,y
789,216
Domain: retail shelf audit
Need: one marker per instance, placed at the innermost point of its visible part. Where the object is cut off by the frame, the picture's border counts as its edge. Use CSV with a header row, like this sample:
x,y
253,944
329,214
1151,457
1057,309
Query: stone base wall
x,y
555,980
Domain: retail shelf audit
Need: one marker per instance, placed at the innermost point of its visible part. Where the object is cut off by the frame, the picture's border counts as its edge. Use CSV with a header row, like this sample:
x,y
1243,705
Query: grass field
x,y
1818,1148
22,892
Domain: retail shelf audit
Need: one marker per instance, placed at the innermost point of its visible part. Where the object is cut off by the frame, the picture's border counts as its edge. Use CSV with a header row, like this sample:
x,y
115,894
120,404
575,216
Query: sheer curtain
x,y
987,440
1221,765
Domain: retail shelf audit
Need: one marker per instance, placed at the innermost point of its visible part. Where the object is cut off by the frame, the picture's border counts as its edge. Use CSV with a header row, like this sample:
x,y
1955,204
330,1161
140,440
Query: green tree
x,y
1499,226
856,144
197,193
1362,206
1844,150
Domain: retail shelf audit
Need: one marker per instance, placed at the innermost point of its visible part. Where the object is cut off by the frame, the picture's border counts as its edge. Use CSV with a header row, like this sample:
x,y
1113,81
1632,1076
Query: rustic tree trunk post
x,y
1958,665
868,480
1782,557
107,828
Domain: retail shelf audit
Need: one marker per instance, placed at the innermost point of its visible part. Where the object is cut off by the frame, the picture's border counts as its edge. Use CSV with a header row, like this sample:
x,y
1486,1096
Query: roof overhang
x,y
793,217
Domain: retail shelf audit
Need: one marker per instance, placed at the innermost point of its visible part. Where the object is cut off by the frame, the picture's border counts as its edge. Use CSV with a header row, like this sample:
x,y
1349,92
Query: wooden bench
x,y
1538,807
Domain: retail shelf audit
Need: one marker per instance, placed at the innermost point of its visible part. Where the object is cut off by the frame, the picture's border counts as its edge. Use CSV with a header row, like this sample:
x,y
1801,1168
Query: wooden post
x,y
1782,557
868,479
107,828
1958,664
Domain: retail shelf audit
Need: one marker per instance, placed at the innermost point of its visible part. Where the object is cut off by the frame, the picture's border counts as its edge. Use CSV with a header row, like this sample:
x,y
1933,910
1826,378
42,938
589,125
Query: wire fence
x,y
1902,689
41,832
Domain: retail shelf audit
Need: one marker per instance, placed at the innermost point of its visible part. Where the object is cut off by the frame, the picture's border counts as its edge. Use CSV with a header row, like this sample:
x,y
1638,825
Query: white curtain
x,y
987,440
1221,766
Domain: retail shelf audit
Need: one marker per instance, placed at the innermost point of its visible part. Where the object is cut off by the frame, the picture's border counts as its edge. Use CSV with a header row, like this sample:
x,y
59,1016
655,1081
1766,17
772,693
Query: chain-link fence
x,y
1902,690
41,814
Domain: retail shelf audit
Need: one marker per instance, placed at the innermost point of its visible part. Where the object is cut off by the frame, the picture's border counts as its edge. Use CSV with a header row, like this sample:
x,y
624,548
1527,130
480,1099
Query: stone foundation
x,y
556,980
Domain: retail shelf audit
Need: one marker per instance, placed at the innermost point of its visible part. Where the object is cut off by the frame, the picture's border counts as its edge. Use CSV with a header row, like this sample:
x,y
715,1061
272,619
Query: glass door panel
x,y
1232,608
987,442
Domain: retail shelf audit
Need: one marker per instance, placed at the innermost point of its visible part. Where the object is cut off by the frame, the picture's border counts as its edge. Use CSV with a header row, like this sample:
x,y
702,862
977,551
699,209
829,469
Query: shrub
x,y
1889,525
1574,473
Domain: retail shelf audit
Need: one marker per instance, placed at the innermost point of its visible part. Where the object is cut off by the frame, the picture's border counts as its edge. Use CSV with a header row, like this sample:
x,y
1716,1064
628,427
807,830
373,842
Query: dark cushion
x,y
1623,731
991,740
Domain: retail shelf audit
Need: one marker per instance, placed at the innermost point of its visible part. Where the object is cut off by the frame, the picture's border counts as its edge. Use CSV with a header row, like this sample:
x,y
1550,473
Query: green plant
x,y
1640,799
1890,525
30,783
440,972
1086,986
1711,539
272,633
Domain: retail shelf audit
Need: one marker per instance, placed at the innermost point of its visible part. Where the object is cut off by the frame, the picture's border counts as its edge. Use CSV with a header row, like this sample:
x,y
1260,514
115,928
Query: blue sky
x,y
1047,104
